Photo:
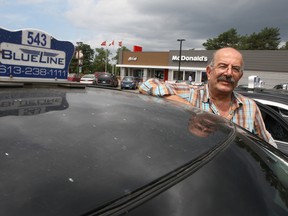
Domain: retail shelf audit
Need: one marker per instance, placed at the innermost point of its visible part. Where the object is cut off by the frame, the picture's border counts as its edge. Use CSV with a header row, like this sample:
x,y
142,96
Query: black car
x,y
107,79
276,125
97,151
129,82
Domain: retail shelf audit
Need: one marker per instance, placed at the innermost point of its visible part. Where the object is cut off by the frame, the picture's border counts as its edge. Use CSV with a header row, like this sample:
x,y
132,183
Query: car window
x,y
275,128
128,79
88,76
276,125
283,112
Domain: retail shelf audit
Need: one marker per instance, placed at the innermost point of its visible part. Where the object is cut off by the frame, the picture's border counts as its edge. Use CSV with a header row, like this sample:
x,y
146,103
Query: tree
x,y
116,57
88,55
229,38
101,60
250,42
270,38
87,59
285,47
266,39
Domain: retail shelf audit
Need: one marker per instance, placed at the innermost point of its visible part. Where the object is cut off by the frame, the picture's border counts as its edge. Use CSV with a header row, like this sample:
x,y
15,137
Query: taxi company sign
x,y
33,54
190,58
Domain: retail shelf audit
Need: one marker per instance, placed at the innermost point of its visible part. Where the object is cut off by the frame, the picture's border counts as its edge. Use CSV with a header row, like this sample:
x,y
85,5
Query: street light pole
x,y
180,52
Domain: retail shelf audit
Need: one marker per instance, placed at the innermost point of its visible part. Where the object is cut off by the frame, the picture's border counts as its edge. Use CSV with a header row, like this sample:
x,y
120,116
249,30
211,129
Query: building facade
x,y
271,66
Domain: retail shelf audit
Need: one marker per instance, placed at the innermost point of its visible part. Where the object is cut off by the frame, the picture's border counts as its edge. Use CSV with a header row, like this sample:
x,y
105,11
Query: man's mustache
x,y
227,79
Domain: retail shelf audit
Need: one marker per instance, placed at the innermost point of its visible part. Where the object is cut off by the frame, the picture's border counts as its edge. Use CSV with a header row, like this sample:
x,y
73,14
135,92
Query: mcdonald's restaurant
x,y
271,66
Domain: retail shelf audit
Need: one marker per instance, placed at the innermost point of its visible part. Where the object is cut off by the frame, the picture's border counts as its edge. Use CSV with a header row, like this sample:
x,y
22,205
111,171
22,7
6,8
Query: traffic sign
x,y
31,53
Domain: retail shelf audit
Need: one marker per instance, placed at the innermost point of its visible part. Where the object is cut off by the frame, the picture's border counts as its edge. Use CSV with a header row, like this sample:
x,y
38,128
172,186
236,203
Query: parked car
x,y
107,79
190,83
97,74
74,77
89,79
183,81
129,82
282,86
98,151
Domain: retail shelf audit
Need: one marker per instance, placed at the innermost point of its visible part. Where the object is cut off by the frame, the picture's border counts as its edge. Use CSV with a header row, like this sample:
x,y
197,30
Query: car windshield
x,y
128,79
105,77
88,76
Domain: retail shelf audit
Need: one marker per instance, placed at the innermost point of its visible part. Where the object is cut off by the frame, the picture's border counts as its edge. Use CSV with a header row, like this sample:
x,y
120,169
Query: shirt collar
x,y
237,99
206,96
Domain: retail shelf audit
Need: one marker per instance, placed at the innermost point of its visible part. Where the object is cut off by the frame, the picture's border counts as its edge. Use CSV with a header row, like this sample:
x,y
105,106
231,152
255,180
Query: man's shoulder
x,y
243,99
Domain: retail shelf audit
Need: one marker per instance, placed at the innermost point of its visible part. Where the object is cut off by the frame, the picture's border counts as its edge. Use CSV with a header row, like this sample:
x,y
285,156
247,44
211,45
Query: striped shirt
x,y
244,111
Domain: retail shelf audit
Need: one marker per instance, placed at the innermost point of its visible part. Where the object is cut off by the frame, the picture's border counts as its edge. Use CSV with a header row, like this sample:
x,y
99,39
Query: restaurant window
x,y
188,73
204,76
138,73
178,75
159,74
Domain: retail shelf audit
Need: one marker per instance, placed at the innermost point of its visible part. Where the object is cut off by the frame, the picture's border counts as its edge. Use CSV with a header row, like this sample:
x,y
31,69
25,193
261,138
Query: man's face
x,y
226,72
202,127
203,124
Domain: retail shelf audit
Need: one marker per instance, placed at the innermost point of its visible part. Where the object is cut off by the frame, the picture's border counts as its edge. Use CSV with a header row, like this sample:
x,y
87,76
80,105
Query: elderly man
x,y
217,96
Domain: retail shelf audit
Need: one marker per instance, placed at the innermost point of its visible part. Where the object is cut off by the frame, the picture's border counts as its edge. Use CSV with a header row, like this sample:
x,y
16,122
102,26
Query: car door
x,y
276,125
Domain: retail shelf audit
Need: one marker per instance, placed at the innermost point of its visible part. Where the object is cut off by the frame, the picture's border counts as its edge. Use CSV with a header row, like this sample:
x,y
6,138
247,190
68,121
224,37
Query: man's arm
x,y
261,129
177,99
155,87
171,91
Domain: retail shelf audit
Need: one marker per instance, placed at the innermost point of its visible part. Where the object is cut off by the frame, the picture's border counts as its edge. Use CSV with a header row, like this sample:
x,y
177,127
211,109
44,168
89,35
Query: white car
x,y
89,79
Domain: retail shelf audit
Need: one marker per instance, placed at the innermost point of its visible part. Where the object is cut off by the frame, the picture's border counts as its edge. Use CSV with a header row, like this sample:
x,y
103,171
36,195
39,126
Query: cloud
x,y
155,25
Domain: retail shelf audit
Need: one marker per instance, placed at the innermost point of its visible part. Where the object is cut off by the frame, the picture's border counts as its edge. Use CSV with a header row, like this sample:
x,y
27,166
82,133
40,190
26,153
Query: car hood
x,y
66,151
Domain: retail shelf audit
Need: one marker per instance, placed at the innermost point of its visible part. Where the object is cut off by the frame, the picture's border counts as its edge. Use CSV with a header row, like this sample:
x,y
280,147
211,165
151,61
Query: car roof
x,y
92,75
105,74
72,151
269,97
58,141
129,77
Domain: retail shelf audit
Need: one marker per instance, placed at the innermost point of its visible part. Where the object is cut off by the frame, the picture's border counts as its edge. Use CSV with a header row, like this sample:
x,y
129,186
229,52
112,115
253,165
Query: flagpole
x,y
106,59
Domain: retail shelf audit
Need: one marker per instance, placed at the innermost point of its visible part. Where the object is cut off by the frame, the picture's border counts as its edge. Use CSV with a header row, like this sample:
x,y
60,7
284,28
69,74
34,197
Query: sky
x,y
155,25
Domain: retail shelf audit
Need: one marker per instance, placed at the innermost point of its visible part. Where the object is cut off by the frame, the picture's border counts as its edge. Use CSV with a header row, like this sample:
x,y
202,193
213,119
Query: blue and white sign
x,y
31,53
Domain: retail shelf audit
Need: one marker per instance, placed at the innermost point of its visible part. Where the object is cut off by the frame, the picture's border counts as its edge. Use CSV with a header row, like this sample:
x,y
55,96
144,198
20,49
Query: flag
x,y
137,48
112,43
103,43
120,43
